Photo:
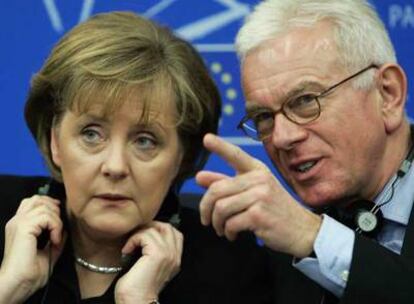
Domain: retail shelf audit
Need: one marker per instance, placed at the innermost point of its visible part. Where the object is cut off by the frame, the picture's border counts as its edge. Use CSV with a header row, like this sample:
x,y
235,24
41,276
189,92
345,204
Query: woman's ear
x,y
54,146
392,85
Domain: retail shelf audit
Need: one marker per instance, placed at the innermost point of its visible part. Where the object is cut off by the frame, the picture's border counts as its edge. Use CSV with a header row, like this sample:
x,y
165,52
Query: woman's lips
x,y
112,199
111,196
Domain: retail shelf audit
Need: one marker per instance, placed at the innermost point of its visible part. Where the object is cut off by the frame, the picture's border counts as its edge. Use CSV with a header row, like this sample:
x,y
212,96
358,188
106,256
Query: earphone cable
x,y
49,274
393,185
400,173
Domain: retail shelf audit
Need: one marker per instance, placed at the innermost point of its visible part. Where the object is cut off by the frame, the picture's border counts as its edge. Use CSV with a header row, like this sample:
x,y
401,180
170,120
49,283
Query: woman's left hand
x,y
161,245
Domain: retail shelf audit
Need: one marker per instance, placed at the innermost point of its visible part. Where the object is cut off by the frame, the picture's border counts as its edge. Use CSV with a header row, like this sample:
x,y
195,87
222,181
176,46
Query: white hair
x,y
359,33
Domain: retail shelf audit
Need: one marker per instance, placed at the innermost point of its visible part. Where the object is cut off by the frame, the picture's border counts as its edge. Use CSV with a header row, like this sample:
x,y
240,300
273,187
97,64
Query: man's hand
x,y
254,200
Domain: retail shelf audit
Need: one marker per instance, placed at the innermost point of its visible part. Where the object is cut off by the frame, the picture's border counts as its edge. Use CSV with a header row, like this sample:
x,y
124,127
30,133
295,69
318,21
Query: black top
x,y
213,270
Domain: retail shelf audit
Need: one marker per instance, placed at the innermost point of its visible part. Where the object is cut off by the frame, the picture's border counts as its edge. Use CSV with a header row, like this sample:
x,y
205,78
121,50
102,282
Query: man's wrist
x,y
307,242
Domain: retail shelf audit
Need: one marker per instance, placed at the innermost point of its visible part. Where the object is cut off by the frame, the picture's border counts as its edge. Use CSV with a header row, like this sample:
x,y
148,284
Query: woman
x,y
119,110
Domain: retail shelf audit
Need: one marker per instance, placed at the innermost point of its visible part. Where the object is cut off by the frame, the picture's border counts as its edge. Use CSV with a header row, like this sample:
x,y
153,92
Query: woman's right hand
x,y
24,268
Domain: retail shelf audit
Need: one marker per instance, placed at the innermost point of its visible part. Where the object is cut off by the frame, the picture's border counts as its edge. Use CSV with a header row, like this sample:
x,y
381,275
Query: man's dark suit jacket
x,y
213,270
377,276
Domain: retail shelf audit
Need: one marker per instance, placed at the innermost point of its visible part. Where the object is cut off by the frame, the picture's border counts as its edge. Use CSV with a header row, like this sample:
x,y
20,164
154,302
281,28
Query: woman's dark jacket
x,y
213,270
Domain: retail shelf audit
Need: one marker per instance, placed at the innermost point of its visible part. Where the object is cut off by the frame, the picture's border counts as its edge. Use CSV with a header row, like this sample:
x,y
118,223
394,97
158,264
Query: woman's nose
x,y
115,163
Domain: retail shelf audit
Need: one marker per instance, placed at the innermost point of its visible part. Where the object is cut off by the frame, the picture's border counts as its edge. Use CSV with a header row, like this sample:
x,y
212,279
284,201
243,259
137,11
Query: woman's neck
x,y
95,249
92,284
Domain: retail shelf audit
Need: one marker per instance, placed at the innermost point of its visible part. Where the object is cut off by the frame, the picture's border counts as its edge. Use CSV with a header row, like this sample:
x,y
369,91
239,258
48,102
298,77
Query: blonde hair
x,y
119,53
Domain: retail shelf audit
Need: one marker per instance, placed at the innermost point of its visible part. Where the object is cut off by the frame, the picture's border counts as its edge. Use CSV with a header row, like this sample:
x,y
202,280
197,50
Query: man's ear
x,y
392,85
54,146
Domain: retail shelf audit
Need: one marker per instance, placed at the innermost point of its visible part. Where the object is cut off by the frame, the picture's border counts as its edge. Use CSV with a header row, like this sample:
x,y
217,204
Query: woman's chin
x,y
112,229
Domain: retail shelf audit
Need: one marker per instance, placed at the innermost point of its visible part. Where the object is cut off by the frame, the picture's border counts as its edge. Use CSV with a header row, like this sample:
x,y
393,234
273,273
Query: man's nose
x,y
115,163
286,133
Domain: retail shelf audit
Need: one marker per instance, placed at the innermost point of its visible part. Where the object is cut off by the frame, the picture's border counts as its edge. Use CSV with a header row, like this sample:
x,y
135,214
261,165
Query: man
x,y
327,99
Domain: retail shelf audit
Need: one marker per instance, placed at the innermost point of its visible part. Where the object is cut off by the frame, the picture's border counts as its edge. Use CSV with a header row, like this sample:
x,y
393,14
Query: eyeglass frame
x,y
241,125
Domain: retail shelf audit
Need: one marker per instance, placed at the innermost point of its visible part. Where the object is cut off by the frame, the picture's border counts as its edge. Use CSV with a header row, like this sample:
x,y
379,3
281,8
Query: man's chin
x,y
319,202
319,199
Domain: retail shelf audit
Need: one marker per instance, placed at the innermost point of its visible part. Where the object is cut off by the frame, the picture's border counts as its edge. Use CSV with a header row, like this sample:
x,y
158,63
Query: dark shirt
x,y
213,270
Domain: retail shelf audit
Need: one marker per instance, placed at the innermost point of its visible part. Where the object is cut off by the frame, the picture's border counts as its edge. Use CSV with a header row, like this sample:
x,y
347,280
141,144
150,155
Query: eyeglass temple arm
x,y
371,66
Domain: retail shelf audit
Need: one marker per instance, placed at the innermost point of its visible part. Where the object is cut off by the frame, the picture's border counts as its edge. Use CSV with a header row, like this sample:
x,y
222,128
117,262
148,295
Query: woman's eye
x,y
91,135
146,142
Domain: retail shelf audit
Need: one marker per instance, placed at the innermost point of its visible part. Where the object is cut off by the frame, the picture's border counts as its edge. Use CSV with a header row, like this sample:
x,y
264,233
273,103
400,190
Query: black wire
x,y
49,274
392,193
400,174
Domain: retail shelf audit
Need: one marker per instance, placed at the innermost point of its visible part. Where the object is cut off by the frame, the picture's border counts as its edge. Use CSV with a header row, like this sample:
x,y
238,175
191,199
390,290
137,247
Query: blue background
x,y
28,30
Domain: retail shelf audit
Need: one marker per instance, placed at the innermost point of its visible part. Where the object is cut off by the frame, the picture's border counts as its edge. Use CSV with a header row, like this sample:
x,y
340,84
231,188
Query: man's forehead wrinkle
x,y
326,44
304,62
269,93
299,42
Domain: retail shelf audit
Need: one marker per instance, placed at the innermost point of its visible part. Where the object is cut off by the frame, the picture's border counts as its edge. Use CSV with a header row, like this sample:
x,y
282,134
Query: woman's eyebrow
x,y
93,117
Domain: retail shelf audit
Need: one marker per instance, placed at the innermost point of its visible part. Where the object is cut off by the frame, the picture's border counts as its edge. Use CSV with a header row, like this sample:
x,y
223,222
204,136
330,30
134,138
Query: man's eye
x,y
263,123
263,117
302,101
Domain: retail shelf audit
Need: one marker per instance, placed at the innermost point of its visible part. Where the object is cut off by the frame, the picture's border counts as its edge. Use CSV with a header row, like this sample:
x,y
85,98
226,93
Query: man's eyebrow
x,y
254,108
303,87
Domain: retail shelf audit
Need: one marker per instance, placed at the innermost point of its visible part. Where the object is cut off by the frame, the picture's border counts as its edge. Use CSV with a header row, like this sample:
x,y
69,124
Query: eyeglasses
x,y
300,110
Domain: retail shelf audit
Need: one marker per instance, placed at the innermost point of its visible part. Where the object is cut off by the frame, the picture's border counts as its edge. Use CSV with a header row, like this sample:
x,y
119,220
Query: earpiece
x,y
44,190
